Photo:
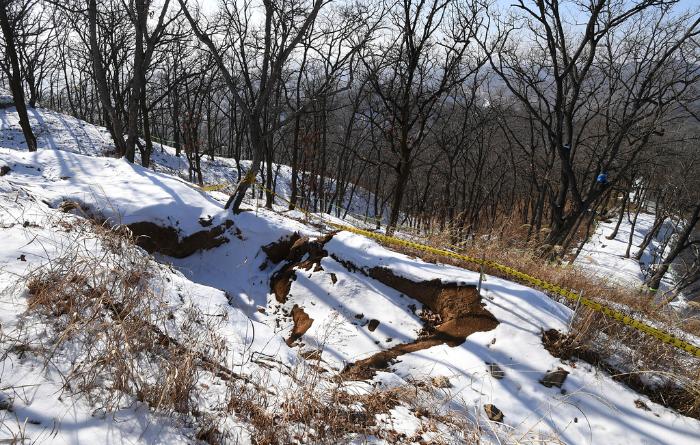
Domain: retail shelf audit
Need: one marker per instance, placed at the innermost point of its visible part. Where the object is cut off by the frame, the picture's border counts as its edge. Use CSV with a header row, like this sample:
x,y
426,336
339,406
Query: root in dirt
x,y
459,308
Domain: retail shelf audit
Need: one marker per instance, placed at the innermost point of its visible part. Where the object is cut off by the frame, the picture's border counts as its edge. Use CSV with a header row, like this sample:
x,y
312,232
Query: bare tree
x,y
284,27
574,82
9,10
424,58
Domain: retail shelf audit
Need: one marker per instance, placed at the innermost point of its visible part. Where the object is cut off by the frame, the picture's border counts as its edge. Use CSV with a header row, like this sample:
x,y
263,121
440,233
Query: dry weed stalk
x,y
106,320
637,359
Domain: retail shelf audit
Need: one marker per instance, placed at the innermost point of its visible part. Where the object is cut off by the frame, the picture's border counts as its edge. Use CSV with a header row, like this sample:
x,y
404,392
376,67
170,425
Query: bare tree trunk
x,y
15,79
258,145
138,79
621,216
639,200
681,243
146,154
650,236
402,172
101,82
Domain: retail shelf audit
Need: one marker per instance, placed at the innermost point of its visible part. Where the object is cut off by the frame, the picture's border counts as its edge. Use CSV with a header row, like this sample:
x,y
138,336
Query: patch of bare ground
x,y
302,323
459,309
165,240
612,341
303,253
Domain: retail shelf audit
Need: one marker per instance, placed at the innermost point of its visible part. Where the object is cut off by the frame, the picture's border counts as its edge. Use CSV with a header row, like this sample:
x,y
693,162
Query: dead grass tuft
x,y
648,365
98,299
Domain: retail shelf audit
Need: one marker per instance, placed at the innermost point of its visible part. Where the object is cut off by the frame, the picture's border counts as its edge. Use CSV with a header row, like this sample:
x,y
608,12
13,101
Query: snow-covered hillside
x,y
606,259
273,313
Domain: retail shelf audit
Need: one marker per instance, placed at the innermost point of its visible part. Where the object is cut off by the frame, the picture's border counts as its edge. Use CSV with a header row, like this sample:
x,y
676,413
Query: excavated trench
x,y
459,310
451,312
163,239
166,240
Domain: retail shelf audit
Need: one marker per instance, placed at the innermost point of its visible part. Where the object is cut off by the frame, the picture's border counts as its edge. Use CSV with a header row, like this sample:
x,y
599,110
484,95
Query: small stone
x,y
495,371
641,405
4,170
5,403
373,323
493,413
334,278
360,316
441,382
555,378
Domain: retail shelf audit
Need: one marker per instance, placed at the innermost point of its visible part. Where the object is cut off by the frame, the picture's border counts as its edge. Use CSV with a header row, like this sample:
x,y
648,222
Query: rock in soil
x,y
555,378
493,413
495,371
441,382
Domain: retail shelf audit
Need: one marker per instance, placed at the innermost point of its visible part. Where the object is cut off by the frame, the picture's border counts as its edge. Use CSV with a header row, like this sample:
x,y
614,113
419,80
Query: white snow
x,y
606,258
591,408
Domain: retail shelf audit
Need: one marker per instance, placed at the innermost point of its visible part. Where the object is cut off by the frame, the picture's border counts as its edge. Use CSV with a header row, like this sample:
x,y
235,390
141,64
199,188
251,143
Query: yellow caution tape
x,y
594,305
214,187
591,304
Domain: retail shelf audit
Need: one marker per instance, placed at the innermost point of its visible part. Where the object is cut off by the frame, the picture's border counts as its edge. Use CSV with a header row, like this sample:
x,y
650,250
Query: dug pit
x,y
299,252
459,309
455,311
166,240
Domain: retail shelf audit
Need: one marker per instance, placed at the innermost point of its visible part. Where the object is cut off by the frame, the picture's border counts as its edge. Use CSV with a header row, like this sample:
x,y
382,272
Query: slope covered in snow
x,y
605,258
271,297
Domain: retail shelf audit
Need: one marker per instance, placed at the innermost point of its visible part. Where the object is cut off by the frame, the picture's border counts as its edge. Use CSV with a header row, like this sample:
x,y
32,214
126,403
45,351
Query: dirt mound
x,y
302,323
460,308
166,240
279,250
460,313
302,247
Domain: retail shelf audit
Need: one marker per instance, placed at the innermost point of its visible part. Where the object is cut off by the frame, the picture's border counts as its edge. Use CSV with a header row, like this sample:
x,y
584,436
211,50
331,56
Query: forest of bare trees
x,y
467,116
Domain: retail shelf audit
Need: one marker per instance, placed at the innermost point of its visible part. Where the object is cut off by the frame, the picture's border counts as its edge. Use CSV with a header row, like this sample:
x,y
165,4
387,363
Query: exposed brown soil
x,y
457,311
293,252
154,238
302,323
279,250
671,396
459,308
366,368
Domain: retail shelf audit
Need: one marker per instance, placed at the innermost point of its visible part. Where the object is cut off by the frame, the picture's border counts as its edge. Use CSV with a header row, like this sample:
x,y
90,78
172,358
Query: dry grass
x,y
640,361
99,301
116,338
97,315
